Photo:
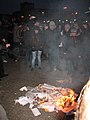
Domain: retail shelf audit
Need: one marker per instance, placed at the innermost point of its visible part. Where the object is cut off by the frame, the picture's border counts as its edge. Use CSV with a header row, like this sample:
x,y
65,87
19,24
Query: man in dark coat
x,y
73,49
52,42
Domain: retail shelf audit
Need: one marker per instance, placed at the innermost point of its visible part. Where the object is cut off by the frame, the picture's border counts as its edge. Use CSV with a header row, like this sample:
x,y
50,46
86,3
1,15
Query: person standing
x,y
52,42
36,46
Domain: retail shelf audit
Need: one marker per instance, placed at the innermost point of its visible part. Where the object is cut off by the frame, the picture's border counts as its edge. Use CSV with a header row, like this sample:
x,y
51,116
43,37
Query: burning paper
x,y
49,98
48,107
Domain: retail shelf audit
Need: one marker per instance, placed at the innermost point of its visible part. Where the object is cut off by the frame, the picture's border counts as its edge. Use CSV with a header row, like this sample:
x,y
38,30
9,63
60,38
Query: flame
x,y
66,102
62,98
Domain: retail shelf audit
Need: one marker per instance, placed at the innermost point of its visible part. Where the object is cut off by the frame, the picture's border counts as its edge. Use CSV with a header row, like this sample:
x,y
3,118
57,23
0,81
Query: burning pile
x,y
50,98
62,98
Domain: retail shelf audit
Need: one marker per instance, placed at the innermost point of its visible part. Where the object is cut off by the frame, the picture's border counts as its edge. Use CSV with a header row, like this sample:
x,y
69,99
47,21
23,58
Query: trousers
x,y
36,54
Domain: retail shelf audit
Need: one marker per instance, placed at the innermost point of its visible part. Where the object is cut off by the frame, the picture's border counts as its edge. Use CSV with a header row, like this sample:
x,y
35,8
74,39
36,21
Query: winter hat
x,y
52,23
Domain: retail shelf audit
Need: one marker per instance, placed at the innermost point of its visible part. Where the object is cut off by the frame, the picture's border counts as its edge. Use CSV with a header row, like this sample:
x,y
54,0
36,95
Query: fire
x,y
62,98
51,98
66,101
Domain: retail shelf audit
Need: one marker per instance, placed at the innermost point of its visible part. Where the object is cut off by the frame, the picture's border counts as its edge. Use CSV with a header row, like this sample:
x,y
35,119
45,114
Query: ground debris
x,y
49,98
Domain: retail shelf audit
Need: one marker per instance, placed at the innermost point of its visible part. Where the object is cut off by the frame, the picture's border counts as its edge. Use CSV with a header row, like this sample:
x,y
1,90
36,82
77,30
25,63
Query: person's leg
x,y
39,58
33,58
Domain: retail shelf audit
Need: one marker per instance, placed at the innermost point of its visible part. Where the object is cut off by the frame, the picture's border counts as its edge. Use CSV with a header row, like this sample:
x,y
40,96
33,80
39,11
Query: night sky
x,y
10,6
71,4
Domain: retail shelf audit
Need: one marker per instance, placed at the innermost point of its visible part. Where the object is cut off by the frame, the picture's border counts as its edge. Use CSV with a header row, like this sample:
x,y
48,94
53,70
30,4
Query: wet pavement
x,y
21,75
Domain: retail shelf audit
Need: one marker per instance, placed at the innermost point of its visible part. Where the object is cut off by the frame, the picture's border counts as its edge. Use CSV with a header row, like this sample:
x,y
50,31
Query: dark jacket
x,y
36,41
52,39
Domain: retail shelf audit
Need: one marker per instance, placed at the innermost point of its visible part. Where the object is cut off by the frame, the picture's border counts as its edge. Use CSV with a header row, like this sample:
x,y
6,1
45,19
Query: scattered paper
x,y
48,107
31,106
22,100
30,100
23,88
35,111
49,98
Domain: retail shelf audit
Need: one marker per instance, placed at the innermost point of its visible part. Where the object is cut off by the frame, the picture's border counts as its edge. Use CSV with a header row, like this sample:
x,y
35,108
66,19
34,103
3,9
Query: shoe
x,y
4,75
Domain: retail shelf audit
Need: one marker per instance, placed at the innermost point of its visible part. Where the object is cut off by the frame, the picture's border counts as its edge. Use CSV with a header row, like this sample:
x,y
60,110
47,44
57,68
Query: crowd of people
x,y
56,42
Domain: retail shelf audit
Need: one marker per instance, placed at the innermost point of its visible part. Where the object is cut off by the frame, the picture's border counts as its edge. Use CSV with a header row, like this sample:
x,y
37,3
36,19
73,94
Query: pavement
x,y
20,75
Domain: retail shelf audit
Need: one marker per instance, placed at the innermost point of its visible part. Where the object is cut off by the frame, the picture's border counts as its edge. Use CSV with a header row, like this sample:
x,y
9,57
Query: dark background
x,y
10,6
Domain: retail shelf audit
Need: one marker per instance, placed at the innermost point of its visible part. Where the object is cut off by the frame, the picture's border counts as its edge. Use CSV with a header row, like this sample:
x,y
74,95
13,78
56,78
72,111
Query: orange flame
x,y
66,102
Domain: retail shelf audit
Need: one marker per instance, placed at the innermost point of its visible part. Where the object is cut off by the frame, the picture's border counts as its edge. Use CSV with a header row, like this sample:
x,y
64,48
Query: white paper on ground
x,y
30,100
35,111
23,100
49,107
48,86
31,105
23,88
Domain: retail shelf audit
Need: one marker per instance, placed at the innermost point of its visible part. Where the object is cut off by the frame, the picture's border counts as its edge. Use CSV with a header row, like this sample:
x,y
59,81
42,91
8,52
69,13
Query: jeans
x,y
36,54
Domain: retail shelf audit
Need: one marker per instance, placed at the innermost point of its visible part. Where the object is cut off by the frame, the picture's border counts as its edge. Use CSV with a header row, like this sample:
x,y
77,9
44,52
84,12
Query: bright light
x,y
43,13
74,19
76,13
48,21
65,7
66,20
32,17
22,16
59,20
86,21
29,15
